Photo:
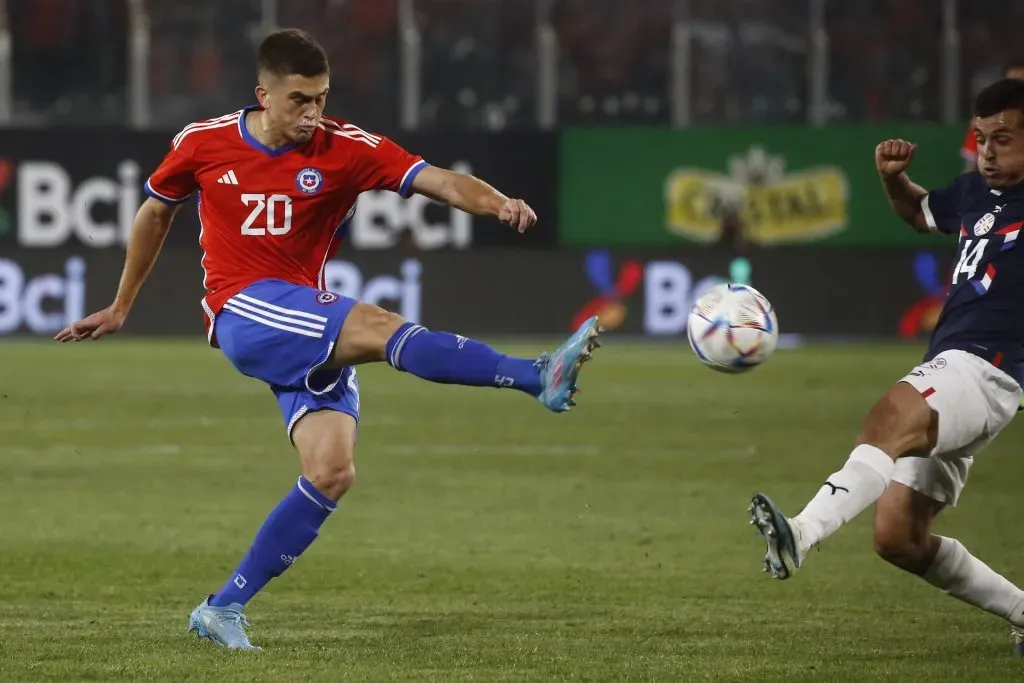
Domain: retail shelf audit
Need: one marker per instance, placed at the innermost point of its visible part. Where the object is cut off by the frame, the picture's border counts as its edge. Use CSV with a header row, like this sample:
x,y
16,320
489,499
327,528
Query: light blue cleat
x,y
559,371
1017,634
224,626
781,557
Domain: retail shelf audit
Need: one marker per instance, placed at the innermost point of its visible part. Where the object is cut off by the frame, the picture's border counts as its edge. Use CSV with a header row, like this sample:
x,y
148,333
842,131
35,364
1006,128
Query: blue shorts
x,y
281,334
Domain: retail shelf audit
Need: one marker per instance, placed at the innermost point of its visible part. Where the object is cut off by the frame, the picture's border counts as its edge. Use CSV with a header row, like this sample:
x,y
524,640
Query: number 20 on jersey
x,y
275,208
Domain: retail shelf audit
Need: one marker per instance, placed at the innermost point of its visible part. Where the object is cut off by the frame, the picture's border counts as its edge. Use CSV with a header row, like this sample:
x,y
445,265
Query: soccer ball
x,y
732,328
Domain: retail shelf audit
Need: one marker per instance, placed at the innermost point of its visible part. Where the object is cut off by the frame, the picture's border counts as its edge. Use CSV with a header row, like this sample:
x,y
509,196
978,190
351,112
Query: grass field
x,y
485,538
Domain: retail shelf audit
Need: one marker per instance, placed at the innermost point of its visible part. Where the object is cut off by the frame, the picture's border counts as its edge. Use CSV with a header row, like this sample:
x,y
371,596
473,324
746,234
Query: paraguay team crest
x,y
309,180
984,224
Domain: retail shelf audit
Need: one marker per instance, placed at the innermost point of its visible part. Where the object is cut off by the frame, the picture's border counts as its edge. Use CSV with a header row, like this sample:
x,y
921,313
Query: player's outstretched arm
x,y
152,222
472,195
892,158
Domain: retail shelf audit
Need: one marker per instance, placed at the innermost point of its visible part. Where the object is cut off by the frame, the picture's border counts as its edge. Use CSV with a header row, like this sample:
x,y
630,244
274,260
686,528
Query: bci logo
x,y
402,294
383,217
668,286
98,210
43,304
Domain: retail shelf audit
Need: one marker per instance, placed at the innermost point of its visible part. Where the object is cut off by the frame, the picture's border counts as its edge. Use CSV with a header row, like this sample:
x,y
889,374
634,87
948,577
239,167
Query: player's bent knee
x,y
364,335
897,546
895,542
325,441
894,552
903,528
330,467
333,478
901,423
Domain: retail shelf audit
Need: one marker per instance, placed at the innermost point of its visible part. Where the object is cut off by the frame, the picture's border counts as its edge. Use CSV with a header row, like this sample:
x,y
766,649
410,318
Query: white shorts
x,y
975,401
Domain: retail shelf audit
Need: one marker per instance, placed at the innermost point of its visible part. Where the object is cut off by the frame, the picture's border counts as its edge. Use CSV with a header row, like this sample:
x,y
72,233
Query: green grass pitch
x,y
485,539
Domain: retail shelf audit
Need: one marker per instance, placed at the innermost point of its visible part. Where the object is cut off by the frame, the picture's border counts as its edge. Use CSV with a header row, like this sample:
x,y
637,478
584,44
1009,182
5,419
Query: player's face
x,y
1001,148
294,104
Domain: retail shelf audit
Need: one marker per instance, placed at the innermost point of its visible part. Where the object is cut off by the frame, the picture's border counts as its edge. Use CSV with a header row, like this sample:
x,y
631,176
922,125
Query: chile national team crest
x,y
326,298
309,180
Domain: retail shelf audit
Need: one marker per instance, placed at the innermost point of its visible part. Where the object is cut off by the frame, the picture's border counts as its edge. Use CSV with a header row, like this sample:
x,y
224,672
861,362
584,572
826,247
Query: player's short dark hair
x,y
1002,95
291,51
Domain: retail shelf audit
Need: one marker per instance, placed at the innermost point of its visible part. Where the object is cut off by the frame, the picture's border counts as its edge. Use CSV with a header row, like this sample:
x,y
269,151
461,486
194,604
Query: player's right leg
x,y
950,407
900,423
325,442
323,429
371,334
281,334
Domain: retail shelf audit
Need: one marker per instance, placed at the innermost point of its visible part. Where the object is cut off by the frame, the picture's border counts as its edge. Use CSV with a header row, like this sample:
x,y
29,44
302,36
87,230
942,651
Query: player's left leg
x,y
904,538
903,525
371,334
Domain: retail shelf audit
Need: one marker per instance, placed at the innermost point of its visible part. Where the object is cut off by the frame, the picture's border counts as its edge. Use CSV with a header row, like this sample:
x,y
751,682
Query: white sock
x,y
960,574
843,496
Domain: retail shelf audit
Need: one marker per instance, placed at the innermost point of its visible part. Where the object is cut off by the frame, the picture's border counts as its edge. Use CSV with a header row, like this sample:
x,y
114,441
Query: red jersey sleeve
x,y
174,180
386,166
969,147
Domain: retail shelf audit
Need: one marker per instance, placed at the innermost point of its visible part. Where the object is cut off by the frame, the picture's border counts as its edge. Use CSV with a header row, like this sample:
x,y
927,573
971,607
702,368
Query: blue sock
x,y
451,359
287,532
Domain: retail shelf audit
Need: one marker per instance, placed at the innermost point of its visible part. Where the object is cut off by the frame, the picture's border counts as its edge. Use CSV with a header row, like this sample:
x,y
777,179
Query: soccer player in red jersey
x,y
278,183
969,147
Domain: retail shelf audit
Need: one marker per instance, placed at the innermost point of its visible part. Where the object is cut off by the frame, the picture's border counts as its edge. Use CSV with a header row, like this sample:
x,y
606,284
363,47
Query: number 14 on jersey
x,y
970,258
274,207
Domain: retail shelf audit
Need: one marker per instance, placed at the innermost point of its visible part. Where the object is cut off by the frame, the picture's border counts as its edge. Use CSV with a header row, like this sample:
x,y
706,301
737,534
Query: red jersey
x,y
969,147
274,213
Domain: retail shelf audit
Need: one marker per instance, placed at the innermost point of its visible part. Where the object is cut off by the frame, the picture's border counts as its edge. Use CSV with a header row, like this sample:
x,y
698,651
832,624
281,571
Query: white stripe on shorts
x,y
270,323
287,311
316,327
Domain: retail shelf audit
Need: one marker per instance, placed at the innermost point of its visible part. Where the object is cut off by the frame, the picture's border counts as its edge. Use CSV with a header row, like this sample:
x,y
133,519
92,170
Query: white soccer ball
x,y
732,328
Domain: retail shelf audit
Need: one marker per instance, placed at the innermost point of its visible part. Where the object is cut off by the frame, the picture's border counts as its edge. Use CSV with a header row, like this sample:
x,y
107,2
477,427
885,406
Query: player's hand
x,y
517,214
892,157
107,321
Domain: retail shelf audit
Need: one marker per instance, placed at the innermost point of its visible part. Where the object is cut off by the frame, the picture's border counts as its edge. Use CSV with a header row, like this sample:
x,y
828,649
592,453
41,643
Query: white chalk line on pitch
x,y
192,422
71,449
738,452
151,390
87,424
473,449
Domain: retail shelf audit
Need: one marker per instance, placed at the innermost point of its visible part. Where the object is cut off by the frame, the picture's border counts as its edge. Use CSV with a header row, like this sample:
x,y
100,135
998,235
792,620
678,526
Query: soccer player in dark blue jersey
x,y
964,393
969,147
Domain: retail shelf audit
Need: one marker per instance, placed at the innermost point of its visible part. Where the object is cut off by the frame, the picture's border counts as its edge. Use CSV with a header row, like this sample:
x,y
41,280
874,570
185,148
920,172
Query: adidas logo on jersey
x,y
228,179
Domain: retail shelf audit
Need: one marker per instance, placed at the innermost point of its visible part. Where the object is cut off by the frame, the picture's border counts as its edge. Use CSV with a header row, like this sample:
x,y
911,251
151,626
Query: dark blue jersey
x,y
984,310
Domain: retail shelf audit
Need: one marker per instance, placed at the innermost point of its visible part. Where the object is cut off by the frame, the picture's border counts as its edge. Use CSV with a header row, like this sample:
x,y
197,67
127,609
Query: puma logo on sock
x,y
835,488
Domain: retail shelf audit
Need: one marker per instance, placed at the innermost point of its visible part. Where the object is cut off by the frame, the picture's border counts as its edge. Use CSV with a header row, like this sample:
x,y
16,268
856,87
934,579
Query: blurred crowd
x,y
479,58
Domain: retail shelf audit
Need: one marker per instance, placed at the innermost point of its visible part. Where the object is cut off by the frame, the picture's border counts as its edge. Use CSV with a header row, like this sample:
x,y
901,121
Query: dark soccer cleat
x,y
778,535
